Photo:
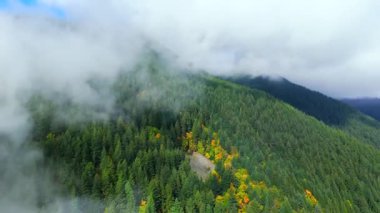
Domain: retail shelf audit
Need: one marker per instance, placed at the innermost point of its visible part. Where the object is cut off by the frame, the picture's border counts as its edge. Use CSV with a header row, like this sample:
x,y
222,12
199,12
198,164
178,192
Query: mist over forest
x,y
189,106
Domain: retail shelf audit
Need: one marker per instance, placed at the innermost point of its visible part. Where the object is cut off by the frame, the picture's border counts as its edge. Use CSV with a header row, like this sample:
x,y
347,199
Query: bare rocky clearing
x,y
201,165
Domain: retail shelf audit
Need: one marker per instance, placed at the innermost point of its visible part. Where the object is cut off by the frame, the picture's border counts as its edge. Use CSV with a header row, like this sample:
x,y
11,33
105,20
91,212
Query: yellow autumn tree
x,y
310,197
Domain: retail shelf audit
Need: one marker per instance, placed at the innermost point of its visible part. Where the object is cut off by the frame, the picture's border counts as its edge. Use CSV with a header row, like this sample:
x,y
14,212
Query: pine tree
x,y
150,205
87,178
117,153
130,198
106,166
176,208
285,207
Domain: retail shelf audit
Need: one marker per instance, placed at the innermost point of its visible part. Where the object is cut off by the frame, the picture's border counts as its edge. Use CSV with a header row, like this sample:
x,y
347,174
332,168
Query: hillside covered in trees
x,y
369,106
328,110
268,156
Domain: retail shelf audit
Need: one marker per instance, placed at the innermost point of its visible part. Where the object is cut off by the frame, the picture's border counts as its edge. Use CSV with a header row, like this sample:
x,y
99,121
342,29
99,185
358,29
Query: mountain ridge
x,y
369,106
326,109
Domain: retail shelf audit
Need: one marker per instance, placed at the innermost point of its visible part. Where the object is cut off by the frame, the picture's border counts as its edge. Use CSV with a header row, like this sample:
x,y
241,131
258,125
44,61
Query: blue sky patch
x,y
3,4
29,2
31,6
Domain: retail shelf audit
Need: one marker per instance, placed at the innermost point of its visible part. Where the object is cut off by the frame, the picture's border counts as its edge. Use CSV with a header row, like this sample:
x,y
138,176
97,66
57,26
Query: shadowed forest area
x,y
369,106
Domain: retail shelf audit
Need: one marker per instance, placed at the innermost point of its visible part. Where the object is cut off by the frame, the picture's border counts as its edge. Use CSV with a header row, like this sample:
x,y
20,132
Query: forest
x,y
369,106
335,113
268,155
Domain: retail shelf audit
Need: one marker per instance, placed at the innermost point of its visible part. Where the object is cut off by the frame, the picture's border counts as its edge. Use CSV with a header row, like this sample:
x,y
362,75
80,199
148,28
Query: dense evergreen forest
x,y
328,110
311,102
268,156
369,106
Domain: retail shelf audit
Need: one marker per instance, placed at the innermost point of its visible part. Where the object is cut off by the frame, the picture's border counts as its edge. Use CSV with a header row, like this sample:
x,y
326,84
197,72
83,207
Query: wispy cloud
x,y
329,45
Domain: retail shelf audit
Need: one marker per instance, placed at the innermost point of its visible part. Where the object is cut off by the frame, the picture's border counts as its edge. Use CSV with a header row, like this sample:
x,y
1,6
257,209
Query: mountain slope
x,y
313,103
369,106
269,156
322,107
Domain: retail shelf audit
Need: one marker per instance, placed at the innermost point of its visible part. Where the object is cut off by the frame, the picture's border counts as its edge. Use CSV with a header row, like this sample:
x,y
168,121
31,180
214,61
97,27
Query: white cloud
x,y
311,42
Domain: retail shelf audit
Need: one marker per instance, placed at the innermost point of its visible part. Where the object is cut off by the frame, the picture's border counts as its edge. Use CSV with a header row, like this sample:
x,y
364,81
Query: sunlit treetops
x,y
246,192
